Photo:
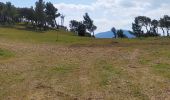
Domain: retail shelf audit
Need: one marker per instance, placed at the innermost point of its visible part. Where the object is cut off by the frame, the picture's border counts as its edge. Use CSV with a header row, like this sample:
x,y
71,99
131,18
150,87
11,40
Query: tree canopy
x,y
88,22
151,26
81,27
114,32
43,16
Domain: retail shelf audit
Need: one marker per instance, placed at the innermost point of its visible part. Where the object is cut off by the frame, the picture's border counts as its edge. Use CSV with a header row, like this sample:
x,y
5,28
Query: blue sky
x,y
105,13
27,3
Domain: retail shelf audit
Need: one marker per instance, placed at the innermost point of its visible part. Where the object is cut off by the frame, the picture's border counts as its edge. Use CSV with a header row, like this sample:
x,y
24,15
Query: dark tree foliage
x,y
43,16
88,22
81,29
2,13
26,15
8,14
154,27
137,29
120,34
162,25
78,27
74,26
114,32
143,21
166,19
40,14
151,26
51,13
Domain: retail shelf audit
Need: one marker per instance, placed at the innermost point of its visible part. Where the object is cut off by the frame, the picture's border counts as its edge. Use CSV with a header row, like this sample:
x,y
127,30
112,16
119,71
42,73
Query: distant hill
x,y
109,34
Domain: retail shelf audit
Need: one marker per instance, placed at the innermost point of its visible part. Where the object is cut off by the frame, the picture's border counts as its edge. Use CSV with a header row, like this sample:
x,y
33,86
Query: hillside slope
x,y
34,66
109,34
20,33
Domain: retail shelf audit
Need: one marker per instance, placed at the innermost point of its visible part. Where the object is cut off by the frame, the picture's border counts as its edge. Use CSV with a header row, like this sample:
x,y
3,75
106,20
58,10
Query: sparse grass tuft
x,y
136,92
106,72
63,68
162,69
5,54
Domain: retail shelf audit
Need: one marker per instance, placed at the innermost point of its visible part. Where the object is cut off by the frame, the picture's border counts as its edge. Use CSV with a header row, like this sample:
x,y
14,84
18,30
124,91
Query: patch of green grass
x,y
162,69
106,72
20,33
63,68
144,60
5,54
137,92
8,79
163,52
52,36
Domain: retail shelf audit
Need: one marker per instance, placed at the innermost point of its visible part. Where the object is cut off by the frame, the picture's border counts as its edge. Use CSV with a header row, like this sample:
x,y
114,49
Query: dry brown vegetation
x,y
122,70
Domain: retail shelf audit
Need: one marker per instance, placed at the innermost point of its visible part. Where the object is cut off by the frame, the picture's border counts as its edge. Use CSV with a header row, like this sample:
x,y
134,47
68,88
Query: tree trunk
x,y
56,24
163,31
115,35
93,34
150,28
157,31
147,29
167,32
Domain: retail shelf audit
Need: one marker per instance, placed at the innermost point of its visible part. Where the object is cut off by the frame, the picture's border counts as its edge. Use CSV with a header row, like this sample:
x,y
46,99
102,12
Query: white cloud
x,y
117,13
73,7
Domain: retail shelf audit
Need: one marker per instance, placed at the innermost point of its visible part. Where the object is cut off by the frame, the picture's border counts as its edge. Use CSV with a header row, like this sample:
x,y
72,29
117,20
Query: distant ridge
x,y
109,34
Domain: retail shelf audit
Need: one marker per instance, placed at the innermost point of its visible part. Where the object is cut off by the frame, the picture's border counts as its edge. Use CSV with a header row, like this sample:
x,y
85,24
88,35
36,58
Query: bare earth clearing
x,y
75,72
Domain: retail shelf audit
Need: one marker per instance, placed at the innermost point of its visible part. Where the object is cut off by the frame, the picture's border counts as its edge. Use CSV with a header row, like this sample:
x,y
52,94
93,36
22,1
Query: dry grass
x,y
124,70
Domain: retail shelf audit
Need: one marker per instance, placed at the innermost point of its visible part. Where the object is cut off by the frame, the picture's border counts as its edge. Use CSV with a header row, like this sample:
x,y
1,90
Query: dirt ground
x,y
58,72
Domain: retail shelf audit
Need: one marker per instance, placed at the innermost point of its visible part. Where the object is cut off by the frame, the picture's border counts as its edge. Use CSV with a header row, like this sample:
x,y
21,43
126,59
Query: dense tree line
x,y
41,17
143,23
83,28
8,13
